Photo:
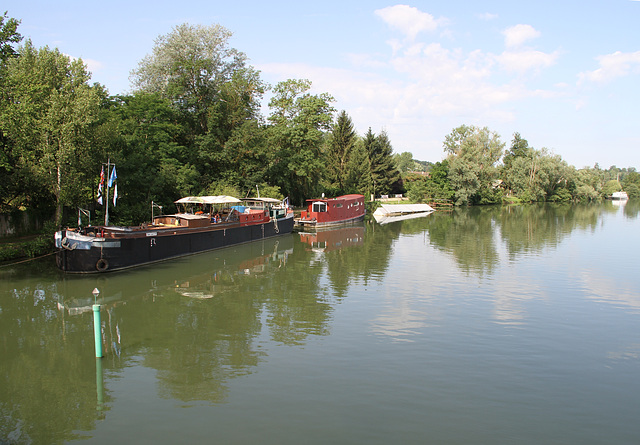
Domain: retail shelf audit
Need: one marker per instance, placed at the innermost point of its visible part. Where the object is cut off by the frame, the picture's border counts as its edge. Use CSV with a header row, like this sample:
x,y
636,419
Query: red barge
x,y
329,211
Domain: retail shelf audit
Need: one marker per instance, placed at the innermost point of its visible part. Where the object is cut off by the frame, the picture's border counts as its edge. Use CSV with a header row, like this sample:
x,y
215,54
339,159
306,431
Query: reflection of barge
x,y
227,276
329,211
334,239
206,223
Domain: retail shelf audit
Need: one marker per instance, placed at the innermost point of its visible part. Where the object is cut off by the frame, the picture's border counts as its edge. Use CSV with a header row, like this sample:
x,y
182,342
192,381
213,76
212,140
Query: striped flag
x,y
100,186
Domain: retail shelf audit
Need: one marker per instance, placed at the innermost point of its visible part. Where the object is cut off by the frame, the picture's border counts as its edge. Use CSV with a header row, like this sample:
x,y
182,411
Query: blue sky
x,y
564,74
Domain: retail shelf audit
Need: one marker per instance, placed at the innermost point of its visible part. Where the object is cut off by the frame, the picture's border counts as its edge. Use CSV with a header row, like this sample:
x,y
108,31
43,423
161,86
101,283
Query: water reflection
x,y
197,323
501,249
334,239
475,236
193,321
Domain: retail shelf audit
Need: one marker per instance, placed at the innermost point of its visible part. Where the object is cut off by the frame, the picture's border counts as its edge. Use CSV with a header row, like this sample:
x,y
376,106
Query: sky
x,y
563,74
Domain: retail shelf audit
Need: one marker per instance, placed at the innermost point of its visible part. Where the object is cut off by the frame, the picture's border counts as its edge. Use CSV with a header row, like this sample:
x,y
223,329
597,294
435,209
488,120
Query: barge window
x,y
319,207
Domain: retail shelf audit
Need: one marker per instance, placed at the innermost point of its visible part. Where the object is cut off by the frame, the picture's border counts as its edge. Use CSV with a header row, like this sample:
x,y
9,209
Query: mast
x,y
106,212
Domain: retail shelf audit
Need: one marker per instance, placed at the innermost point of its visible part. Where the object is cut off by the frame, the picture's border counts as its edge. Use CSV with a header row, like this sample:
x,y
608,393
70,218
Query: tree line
x,y
479,170
193,125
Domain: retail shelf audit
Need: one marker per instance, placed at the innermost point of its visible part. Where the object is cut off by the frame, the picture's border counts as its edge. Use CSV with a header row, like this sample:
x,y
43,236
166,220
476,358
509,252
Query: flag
x,y
100,186
113,183
113,177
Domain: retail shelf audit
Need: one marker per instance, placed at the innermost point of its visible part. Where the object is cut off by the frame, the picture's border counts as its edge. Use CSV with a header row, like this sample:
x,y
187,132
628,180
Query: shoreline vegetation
x,y
193,125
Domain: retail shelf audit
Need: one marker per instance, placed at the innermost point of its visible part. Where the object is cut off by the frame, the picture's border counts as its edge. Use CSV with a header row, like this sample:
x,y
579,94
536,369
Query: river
x,y
485,325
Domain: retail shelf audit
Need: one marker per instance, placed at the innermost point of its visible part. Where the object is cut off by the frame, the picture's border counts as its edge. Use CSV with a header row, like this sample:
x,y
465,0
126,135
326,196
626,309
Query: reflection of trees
x,y
631,208
376,252
194,320
364,254
295,303
533,227
468,235
47,369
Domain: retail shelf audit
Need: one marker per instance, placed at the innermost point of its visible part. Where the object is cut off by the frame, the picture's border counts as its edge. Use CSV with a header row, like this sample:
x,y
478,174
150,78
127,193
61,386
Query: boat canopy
x,y
220,199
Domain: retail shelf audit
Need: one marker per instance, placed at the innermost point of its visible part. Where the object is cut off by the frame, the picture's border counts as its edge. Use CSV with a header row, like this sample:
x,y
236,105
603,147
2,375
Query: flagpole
x,y
106,212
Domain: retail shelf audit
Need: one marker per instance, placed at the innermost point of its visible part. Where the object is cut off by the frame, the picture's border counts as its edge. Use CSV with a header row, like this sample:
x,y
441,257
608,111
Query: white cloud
x,y
526,60
612,66
92,65
408,20
516,35
365,60
488,16
419,91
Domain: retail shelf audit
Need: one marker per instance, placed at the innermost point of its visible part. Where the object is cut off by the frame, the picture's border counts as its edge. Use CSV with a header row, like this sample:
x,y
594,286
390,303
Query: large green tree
x,y
299,121
358,170
473,154
383,171
152,163
47,113
340,146
534,175
11,183
217,98
190,66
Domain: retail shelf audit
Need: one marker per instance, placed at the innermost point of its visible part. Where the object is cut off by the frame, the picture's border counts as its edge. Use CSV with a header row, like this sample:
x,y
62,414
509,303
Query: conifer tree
x,y
339,151
383,171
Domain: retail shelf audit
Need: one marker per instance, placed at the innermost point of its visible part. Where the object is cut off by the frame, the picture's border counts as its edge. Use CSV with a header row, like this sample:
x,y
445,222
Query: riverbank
x,y
25,247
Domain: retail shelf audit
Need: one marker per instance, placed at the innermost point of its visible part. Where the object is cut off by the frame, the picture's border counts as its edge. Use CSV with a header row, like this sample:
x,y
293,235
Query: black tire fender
x,y
102,265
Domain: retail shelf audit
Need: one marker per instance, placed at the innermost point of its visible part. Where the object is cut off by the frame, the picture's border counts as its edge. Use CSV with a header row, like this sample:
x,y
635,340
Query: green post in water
x,y
97,325
99,384
97,330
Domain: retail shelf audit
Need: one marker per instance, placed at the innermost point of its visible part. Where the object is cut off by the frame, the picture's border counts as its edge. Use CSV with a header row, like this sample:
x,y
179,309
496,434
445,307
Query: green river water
x,y
496,325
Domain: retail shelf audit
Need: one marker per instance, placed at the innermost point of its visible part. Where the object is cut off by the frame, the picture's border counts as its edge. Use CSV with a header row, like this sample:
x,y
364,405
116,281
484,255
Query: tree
x,y
340,147
534,175
47,112
588,184
298,122
10,177
358,170
149,153
9,36
434,187
610,187
519,148
473,154
404,161
190,65
383,172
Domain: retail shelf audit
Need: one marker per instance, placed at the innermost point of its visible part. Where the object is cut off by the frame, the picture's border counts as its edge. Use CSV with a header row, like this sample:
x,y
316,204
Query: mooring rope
x,y
27,260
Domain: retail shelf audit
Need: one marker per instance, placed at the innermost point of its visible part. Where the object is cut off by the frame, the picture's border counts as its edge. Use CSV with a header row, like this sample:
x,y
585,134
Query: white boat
x,y
620,196
395,212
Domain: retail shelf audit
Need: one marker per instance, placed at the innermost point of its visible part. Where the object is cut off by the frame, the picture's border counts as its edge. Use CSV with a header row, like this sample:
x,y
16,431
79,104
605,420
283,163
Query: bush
x,y
633,191
29,248
560,195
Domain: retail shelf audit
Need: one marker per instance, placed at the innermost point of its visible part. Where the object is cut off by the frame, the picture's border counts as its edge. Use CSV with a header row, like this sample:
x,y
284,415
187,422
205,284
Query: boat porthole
x,y
102,264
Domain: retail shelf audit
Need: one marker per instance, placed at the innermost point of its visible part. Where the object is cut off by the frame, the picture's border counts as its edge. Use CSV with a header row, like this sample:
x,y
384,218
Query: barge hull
x,y
106,255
